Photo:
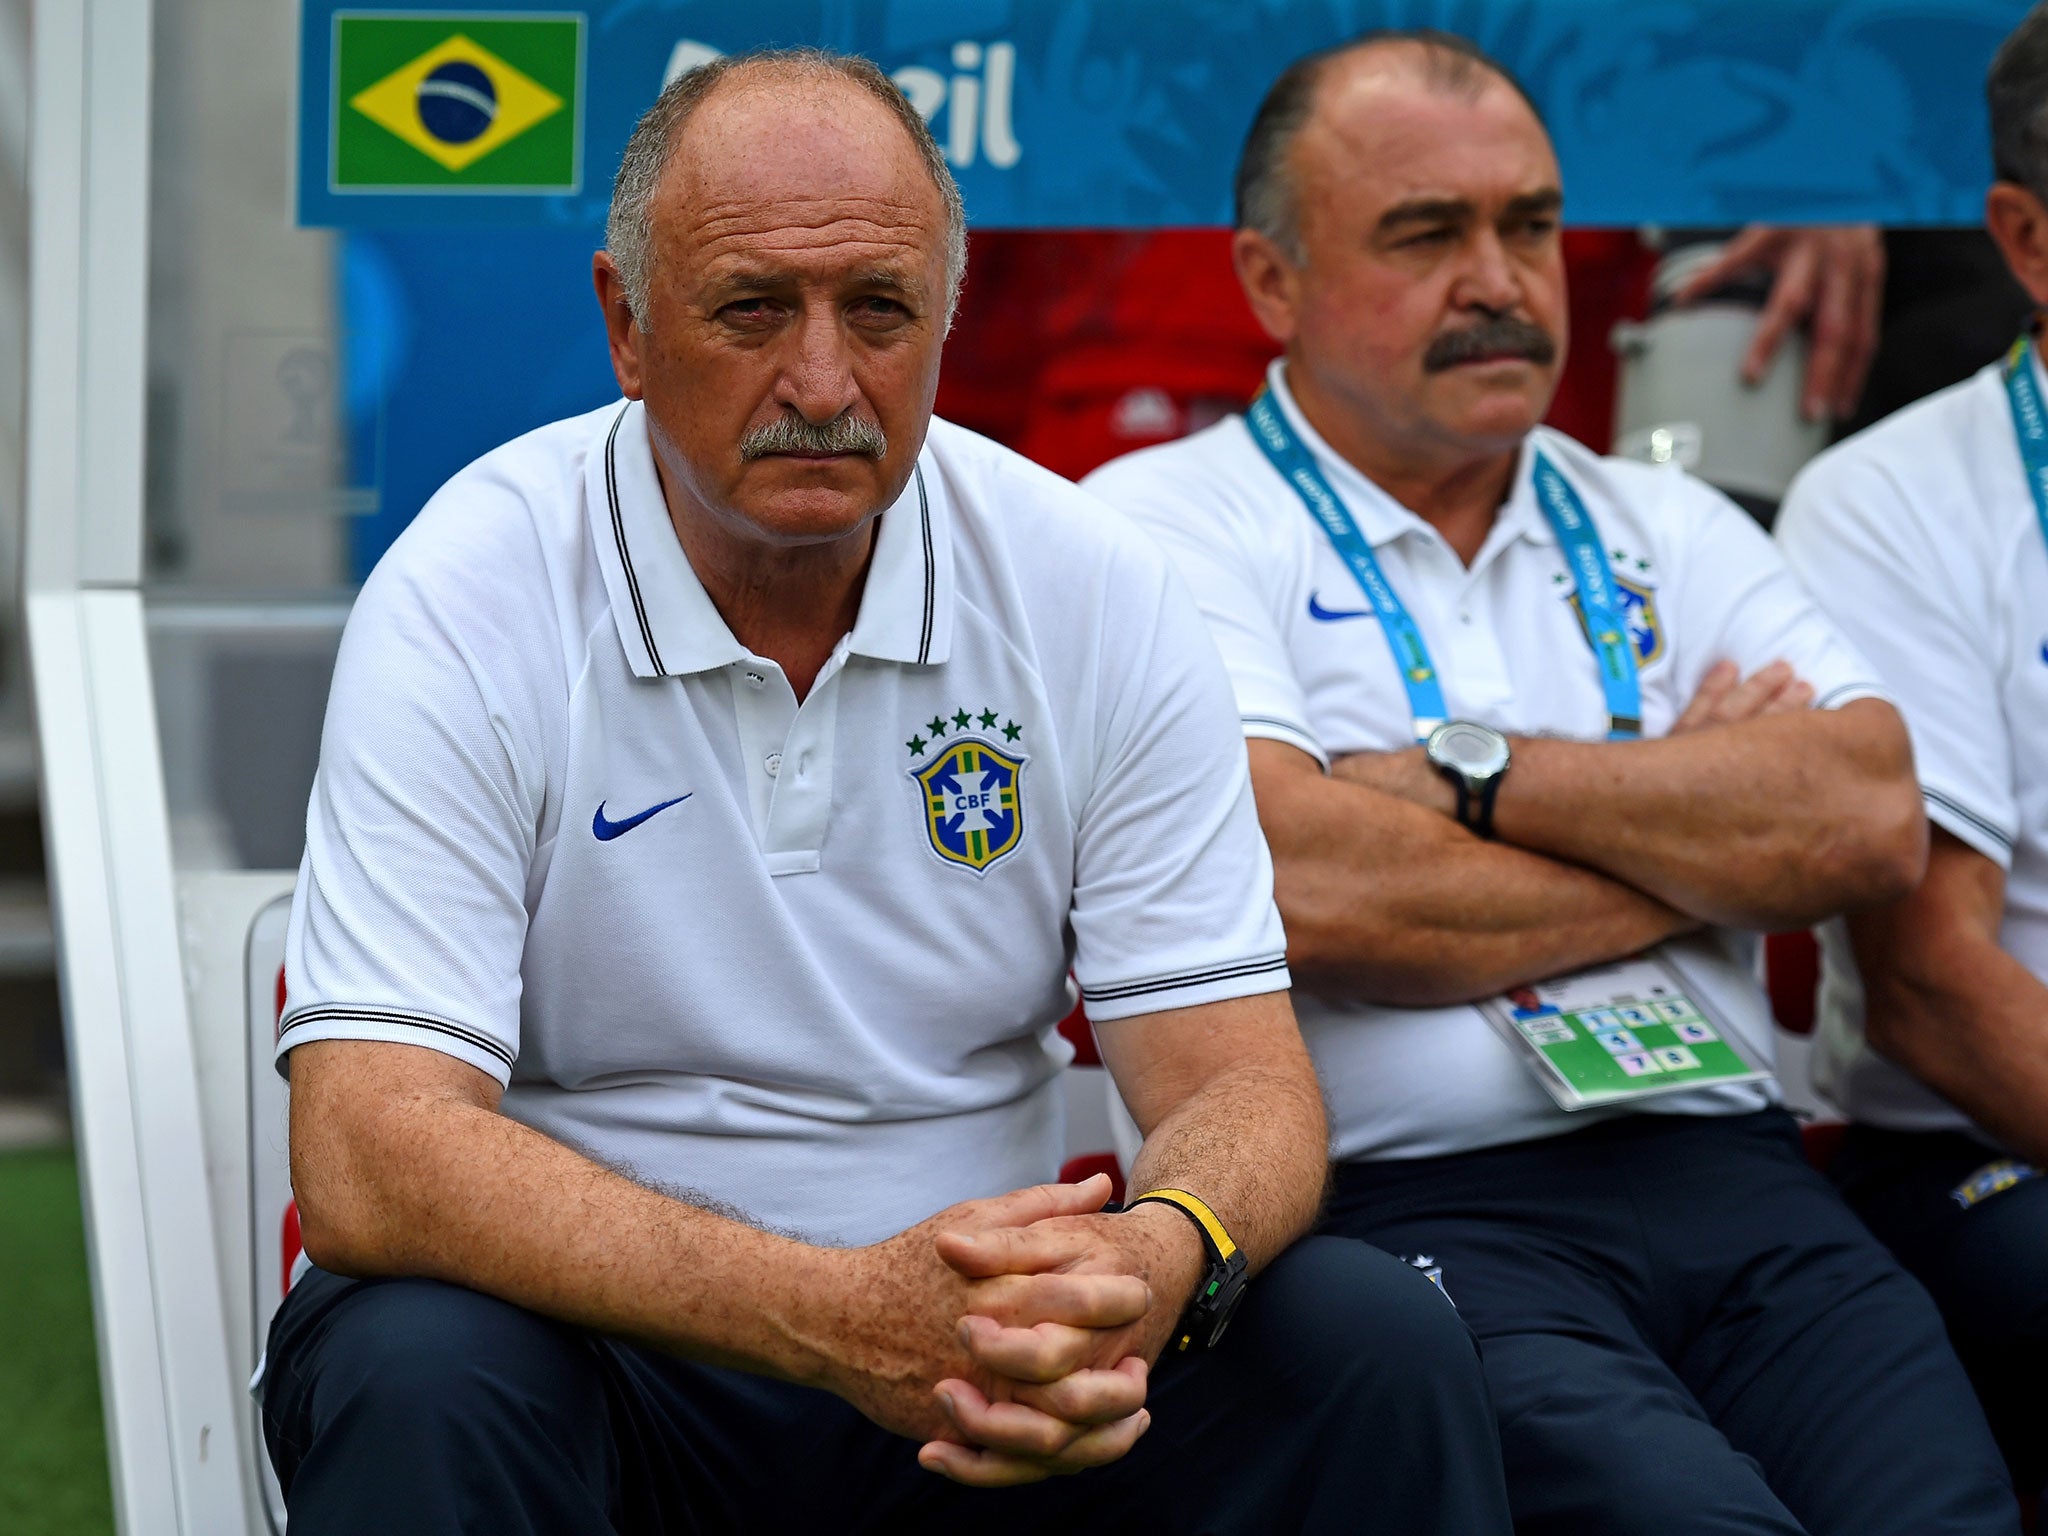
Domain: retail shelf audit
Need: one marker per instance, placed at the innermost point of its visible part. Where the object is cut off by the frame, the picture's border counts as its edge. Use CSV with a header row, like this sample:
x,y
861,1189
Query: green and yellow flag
x,y
453,101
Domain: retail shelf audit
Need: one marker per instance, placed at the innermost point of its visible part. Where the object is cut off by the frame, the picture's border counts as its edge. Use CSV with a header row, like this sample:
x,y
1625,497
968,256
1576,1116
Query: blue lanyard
x,y
2029,424
1599,599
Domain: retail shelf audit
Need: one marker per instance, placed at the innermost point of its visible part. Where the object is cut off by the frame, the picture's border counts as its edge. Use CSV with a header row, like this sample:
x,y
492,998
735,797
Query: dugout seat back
x,y
273,1213
232,930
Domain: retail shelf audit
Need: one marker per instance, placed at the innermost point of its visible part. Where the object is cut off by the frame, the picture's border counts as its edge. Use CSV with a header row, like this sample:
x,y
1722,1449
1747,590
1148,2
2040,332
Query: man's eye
x,y
874,306
744,311
1430,237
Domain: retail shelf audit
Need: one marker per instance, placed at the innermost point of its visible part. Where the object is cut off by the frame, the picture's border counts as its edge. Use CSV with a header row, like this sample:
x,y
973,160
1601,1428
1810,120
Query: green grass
x,y
53,1450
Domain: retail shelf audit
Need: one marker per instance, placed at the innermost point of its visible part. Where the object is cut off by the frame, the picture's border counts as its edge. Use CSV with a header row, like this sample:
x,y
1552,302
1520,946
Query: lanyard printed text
x,y
1606,629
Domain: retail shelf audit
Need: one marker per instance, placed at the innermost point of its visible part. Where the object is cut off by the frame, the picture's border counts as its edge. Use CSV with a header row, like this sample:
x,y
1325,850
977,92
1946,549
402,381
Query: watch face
x,y
1223,1317
1478,751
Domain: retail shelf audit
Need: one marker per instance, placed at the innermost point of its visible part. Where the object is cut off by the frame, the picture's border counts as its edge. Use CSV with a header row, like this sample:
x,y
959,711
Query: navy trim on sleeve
x,y
1827,700
1184,979
350,1012
1956,808
1286,725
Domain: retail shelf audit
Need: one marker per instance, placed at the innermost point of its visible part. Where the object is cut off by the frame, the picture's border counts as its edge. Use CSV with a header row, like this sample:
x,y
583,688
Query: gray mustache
x,y
1490,338
790,433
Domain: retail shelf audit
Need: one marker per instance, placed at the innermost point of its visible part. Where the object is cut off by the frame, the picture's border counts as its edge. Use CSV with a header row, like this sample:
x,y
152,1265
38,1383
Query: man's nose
x,y
817,375
1489,280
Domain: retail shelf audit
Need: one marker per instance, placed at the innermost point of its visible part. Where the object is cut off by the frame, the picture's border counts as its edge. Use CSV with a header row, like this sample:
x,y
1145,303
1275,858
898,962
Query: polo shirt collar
x,y
668,624
1381,518
906,609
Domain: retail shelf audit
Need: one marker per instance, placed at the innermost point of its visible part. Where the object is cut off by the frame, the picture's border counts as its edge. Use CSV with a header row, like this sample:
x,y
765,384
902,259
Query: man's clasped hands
x,y
1015,1335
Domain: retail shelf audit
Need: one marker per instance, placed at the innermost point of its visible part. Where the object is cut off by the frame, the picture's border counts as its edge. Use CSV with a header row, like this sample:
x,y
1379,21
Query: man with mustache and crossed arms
x,y
1536,738
716,790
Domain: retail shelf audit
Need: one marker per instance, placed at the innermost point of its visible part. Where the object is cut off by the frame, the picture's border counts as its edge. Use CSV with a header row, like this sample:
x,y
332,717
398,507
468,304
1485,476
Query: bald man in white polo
x,y
717,790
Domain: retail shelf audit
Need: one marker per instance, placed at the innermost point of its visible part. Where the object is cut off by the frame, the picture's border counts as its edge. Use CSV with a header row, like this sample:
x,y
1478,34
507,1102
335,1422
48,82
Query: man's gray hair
x,y
629,228
1265,192
2017,89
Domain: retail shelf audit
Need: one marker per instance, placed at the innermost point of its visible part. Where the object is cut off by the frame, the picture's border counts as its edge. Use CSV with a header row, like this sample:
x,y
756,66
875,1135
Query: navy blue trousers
x,y
1346,1397
1686,1331
1986,1265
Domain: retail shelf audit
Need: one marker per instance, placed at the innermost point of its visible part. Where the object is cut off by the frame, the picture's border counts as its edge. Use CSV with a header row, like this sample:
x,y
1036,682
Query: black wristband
x,y
1483,822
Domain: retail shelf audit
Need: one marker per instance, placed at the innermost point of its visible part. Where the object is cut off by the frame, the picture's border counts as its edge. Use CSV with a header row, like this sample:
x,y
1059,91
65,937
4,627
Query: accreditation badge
x,y
1616,1032
1994,1178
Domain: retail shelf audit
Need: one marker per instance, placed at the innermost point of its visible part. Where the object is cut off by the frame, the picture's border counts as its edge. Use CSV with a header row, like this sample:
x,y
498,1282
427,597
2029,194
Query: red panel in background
x,y
1607,272
1075,347
1081,1036
289,1246
1792,977
1075,1169
1078,346
1821,1140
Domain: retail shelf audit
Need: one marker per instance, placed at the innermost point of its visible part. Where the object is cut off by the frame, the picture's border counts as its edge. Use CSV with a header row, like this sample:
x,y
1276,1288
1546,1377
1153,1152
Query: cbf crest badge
x,y
1639,613
972,791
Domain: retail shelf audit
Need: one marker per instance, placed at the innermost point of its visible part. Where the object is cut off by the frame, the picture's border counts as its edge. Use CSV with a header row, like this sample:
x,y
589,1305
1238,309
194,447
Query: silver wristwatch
x,y
1474,758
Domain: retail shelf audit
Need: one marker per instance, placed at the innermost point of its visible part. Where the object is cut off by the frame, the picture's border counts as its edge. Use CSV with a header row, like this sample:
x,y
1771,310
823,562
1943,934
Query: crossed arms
x,y
1011,1335
1756,812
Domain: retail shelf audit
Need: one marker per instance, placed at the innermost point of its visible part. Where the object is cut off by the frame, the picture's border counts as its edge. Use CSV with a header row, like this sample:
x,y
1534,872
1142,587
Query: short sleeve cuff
x,y
394,1026
1288,732
1955,815
1849,693
1185,989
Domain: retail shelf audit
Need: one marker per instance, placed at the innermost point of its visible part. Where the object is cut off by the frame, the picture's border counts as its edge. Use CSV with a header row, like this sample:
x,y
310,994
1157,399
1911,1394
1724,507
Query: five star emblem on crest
x,y
971,790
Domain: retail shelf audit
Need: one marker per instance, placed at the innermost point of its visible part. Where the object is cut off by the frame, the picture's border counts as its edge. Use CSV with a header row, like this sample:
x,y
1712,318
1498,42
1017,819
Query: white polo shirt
x,y
1919,537
806,960
1312,668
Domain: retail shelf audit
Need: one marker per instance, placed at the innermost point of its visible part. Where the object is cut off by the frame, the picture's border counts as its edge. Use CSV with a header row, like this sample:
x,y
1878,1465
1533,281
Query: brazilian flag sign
x,y
456,102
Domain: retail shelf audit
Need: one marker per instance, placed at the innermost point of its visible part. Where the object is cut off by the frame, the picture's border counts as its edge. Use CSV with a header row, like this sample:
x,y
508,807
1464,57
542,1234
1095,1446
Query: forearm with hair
x,y
1253,1146
1771,823
397,1177
1388,902
1944,999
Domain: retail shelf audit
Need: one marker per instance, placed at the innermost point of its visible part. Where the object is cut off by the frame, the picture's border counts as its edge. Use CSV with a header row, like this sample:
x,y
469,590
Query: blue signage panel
x,y
468,149
1087,113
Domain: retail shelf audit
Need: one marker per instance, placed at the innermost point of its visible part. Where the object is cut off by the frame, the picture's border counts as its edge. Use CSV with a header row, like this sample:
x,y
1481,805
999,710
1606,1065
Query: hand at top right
x,y
1827,278
1726,697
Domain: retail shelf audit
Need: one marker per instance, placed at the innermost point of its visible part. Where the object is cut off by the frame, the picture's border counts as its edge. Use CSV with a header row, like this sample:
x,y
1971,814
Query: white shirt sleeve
x,y
1173,885
410,915
1230,566
1868,552
1737,600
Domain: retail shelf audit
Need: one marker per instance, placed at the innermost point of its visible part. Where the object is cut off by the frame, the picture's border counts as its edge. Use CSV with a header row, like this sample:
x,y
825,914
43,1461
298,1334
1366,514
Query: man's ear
x,y
2019,225
1272,283
621,330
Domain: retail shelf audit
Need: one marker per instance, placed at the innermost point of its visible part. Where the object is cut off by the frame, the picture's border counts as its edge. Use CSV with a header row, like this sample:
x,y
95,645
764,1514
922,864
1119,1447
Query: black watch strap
x,y
1464,793
1482,820
1475,807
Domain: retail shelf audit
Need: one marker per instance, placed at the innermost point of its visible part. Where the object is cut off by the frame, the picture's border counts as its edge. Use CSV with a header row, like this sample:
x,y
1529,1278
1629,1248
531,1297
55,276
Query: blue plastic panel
x,y
1086,113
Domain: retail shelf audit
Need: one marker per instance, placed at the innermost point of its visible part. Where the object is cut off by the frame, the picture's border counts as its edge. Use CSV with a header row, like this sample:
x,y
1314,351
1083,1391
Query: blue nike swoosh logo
x,y
607,830
1330,615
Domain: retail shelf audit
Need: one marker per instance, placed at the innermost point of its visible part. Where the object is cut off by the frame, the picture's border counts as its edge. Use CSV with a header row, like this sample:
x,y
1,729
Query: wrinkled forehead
x,y
800,163
1382,133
